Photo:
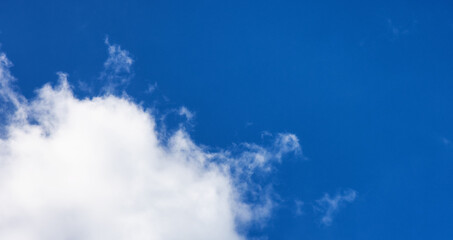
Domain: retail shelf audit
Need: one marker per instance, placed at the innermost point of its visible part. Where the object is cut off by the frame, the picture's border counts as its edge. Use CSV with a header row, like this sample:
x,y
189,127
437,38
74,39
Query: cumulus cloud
x,y
96,168
329,206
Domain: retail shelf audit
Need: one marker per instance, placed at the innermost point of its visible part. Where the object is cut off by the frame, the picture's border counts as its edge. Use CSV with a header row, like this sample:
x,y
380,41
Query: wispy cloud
x,y
151,88
396,31
328,206
8,94
285,143
298,207
117,68
183,111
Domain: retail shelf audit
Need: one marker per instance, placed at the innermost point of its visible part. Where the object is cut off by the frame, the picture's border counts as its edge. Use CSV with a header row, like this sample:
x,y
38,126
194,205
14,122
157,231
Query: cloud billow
x,y
95,168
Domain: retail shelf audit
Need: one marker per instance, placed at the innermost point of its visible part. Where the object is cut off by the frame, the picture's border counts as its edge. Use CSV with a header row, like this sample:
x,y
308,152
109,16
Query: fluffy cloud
x,y
329,206
98,168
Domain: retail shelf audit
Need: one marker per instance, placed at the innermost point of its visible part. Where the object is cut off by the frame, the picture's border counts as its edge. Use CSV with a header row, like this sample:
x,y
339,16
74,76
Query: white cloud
x,y
95,168
329,206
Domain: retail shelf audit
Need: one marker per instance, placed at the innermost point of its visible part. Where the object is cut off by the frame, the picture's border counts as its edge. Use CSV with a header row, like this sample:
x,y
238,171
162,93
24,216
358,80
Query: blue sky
x,y
365,86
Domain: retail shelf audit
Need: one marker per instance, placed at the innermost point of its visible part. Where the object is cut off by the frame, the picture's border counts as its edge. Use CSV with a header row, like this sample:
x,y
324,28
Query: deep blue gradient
x,y
367,87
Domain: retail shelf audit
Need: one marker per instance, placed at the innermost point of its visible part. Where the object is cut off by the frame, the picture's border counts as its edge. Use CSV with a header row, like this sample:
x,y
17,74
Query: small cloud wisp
x,y
328,206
